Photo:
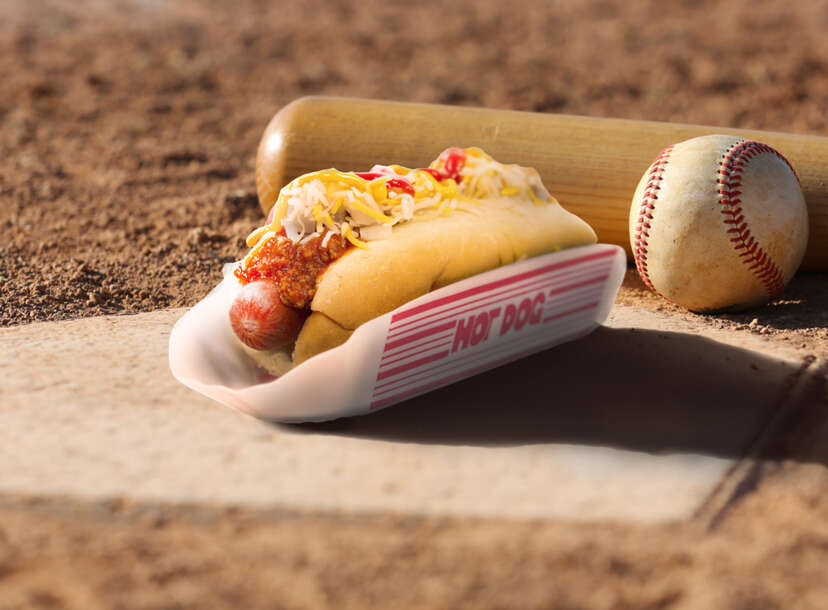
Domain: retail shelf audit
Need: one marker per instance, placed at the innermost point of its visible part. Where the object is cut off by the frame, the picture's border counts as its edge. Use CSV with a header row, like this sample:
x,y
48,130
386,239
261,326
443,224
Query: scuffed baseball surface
x,y
718,223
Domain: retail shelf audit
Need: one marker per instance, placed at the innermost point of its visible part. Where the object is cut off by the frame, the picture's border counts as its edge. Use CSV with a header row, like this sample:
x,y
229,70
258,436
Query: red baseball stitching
x,y
733,164
645,215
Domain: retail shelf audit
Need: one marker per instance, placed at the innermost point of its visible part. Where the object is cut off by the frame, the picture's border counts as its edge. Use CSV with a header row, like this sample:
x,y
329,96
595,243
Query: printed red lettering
x,y
474,329
508,318
494,313
481,328
461,337
537,308
524,309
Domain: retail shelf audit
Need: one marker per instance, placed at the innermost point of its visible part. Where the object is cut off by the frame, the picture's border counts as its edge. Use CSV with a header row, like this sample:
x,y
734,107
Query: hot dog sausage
x,y
260,319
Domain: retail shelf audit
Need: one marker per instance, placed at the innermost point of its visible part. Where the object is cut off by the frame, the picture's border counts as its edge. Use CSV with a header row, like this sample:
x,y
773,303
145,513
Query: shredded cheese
x,y
361,208
349,235
256,235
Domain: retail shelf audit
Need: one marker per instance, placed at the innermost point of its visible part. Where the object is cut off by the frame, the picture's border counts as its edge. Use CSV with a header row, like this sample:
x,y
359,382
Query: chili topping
x,y
294,266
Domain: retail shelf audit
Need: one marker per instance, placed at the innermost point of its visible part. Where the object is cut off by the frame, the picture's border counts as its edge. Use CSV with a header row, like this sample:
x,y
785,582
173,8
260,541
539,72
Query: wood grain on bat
x,y
591,165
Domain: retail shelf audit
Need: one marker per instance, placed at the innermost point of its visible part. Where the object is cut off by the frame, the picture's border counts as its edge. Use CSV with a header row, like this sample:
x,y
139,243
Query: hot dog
x,y
261,320
340,248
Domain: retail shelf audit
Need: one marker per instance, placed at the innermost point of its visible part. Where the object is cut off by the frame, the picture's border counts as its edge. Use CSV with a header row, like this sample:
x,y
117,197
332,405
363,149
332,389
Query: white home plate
x,y
625,424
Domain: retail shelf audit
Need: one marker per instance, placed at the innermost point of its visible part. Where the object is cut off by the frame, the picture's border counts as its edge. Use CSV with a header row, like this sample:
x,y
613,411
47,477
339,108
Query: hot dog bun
x,y
421,257
425,253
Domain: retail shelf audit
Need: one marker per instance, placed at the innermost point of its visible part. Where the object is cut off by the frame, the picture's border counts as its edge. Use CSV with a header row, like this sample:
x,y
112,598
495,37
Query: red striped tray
x,y
442,337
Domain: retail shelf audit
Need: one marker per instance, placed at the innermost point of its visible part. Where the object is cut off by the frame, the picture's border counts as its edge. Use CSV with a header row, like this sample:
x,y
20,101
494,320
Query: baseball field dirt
x,y
693,475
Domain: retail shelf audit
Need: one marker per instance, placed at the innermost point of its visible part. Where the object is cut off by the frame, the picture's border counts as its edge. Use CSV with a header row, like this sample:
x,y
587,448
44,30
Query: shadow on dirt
x,y
634,389
803,305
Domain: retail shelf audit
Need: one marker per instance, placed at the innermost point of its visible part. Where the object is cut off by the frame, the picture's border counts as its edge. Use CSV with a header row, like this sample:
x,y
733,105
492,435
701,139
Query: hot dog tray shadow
x,y
645,390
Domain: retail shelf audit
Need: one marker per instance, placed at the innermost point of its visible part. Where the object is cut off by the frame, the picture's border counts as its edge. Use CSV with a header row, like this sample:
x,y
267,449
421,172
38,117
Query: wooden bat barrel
x,y
591,165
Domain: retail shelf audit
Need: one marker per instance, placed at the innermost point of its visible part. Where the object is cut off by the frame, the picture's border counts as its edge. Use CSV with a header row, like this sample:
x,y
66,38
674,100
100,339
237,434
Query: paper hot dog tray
x,y
447,335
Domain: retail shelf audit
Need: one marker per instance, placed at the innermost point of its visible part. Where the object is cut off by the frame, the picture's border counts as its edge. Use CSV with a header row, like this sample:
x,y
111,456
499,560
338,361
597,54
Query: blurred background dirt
x,y
128,132
129,128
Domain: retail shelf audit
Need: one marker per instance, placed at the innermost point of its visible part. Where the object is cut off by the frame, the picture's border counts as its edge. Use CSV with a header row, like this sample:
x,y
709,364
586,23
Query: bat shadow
x,y
644,390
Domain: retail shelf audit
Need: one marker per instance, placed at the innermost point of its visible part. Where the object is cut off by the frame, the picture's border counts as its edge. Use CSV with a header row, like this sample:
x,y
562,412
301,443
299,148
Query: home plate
x,y
632,423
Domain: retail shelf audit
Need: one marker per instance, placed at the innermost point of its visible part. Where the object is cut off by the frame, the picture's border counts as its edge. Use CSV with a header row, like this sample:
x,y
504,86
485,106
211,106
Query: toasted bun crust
x,y
424,255
318,334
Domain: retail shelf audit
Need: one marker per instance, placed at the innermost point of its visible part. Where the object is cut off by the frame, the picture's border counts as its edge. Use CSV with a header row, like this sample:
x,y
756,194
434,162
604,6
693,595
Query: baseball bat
x,y
591,165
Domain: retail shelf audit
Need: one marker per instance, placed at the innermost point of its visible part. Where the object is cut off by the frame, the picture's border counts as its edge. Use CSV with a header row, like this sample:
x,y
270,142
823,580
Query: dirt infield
x,y
117,555
128,133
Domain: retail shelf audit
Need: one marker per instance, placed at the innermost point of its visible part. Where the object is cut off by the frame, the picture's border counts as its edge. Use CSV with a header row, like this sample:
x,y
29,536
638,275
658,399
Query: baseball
x,y
718,223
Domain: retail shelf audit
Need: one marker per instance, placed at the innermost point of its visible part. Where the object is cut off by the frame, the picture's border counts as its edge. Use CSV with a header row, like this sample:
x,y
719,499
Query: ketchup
x,y
400,184
453,164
